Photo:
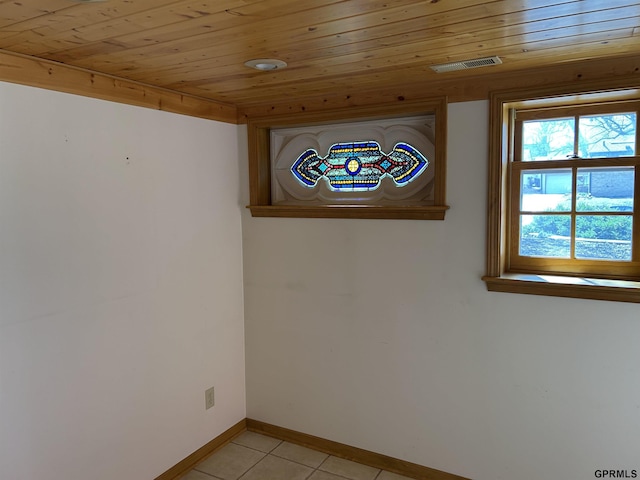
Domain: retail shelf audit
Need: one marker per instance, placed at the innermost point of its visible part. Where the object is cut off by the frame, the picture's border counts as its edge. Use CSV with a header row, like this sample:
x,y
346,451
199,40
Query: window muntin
x,y
573,177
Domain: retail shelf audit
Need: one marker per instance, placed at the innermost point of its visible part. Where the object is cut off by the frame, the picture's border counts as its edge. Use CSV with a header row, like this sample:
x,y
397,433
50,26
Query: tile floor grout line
x,y
274,455
317,469
253,466
290,460
261,451
313,470
352,461
204,473
294,461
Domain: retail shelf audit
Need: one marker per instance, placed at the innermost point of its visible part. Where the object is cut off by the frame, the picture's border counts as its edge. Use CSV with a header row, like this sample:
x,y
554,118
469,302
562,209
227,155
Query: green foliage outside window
x,y
607,227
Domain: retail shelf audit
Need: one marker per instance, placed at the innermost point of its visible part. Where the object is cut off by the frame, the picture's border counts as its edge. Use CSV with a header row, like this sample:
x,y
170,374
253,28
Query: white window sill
x,y
557,286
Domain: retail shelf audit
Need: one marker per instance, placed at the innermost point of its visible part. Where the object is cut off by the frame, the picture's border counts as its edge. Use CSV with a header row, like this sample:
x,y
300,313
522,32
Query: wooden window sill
x,y
436,212
557,286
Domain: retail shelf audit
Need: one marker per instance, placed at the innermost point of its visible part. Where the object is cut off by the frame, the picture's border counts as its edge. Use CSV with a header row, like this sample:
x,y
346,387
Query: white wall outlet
x,y
209,398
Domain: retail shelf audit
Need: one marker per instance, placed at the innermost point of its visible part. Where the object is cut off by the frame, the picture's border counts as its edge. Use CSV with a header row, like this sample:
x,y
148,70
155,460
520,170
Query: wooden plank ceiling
x,y
332,47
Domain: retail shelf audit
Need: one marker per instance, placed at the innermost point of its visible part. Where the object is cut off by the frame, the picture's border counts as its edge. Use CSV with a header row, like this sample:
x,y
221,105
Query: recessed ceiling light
x,y
266,64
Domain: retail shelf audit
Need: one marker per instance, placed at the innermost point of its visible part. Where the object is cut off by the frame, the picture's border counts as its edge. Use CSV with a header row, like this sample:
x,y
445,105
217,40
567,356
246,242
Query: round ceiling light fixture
x,y
266,64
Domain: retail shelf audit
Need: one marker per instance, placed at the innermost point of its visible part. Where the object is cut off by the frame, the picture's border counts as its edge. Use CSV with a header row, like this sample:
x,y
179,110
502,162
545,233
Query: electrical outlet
x,y
209,399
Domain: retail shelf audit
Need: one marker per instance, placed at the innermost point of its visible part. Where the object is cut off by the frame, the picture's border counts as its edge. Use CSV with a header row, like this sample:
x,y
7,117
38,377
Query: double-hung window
x,y
573,191
565,200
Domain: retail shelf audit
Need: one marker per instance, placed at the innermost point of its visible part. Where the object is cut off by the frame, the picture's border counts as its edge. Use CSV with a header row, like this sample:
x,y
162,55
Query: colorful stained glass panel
x,y
359,166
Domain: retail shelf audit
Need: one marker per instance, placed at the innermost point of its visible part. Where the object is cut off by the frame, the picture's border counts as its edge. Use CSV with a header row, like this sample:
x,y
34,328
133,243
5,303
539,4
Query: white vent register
x,y
466,64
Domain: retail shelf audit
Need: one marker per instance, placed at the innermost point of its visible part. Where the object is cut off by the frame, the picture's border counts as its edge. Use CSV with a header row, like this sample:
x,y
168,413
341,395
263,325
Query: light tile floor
x,y
252,456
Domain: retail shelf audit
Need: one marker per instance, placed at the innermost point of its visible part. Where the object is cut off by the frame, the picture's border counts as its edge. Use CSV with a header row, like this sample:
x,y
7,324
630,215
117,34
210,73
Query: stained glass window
x,y
372,162
359,166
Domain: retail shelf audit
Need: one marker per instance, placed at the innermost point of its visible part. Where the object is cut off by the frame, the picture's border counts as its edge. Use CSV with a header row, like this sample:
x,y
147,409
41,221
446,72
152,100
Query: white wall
x,y
380,334
120,287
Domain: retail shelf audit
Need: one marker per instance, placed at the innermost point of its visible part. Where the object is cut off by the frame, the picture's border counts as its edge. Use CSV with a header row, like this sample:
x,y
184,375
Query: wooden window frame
x,y
563,283
620,270
259,133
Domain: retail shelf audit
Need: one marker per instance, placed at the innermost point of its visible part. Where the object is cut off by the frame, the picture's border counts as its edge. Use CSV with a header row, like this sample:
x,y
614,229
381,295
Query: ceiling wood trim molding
x,y
25,70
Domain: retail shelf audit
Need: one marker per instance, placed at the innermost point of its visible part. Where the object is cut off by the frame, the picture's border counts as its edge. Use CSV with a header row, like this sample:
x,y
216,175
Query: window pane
x,y
546,190
605,189
547,139
608,135
604,237
545,235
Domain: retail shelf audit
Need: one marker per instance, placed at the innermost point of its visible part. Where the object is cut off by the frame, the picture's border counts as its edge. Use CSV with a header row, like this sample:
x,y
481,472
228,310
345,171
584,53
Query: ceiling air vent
x,y
464,65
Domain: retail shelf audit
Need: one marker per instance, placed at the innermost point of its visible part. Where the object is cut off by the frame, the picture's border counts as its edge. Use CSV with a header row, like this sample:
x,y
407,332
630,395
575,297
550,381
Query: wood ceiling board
x,y
249,95
278,33
219,36
72,16
165,25
620,72
249,89
397,52
113,43
357,68
302,40
336,47
151,66
12,12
